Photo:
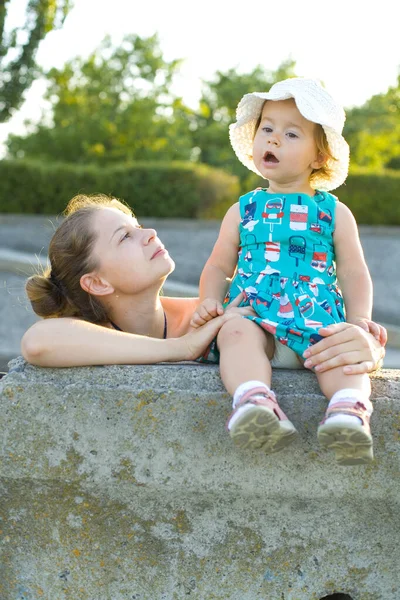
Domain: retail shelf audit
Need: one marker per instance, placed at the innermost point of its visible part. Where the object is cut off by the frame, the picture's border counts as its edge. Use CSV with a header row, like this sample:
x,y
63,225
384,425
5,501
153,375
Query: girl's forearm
x,y
357,294
213,283
73,343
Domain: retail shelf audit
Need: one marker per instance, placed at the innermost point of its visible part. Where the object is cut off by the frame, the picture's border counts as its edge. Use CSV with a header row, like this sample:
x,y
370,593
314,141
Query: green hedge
x,y
175,190
373,198
179,190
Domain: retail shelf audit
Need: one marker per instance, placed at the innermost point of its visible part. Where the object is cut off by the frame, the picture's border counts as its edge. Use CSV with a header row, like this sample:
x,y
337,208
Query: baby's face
x,y
284,148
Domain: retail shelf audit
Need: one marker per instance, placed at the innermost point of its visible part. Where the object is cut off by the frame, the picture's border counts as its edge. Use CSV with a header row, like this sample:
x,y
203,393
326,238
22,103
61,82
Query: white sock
x,y
350,395
246,387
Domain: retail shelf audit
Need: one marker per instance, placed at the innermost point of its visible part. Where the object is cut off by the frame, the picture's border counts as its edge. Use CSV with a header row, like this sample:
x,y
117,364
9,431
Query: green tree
x,y
114,106
217,110
18,49
373,131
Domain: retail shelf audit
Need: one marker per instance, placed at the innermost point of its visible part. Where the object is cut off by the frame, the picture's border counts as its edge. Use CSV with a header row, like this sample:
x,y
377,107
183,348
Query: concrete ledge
x,y
120,483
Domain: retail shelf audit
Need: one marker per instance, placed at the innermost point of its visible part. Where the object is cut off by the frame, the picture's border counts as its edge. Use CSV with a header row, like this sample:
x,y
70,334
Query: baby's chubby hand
x,y
207,309
378,331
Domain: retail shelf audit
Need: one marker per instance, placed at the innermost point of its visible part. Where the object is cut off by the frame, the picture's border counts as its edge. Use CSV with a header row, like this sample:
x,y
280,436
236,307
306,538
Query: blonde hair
x,y
324,172
58,292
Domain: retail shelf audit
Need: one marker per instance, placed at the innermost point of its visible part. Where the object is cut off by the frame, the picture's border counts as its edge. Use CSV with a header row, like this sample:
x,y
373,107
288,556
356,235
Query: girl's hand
x,y
205,311
193,343
345,345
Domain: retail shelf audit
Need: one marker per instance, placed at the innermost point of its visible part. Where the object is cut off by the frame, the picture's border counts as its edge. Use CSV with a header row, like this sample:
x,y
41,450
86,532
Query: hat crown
x,y
312,100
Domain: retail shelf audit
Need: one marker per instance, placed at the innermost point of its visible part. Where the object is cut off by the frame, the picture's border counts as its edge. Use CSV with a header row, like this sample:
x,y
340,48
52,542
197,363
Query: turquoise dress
x,y
286,265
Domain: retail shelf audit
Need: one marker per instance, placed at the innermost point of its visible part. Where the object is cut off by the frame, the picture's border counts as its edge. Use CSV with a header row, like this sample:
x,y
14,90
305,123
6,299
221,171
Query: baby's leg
x,y
345,427
257,420
245,353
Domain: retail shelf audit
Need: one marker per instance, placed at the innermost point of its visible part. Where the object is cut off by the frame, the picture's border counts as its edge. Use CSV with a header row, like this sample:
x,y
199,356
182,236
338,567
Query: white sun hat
x,y
316,105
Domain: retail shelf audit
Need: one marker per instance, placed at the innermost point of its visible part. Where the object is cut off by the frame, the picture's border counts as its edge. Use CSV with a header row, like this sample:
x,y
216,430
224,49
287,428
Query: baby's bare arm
x,y
352,271
221,264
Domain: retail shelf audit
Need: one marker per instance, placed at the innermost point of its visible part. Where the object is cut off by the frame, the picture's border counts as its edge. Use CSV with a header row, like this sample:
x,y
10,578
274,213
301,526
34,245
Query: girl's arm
x,y
67,342
352,271
218,269
346,344
221,265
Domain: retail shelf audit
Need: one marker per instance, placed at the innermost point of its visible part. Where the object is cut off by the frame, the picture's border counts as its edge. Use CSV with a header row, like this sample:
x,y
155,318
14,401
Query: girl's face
x,y
131,259
284,148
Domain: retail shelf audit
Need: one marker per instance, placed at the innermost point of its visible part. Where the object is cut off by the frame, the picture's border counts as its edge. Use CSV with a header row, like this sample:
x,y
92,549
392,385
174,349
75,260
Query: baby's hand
x,y
378,331
206,310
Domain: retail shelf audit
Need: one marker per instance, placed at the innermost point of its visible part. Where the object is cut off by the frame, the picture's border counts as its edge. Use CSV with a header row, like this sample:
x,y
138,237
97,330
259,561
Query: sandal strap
x,y
248,397
353,409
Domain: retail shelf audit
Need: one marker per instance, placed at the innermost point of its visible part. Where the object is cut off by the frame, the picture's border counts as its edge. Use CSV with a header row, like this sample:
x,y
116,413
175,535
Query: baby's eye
x,y
267,129
127,235
292,135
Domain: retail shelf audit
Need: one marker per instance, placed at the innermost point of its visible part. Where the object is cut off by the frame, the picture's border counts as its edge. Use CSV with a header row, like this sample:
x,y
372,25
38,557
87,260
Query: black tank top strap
x,y
165,327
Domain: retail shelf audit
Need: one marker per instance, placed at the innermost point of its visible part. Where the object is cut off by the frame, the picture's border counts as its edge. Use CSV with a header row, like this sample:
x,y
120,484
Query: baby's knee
x,y
237,331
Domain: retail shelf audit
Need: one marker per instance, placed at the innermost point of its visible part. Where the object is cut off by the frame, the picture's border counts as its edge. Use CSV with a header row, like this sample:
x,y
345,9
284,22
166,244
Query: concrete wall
x,y
120,483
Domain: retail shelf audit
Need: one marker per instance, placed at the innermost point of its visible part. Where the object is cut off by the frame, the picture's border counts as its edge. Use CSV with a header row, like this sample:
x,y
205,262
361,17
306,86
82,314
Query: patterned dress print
x,y
286,265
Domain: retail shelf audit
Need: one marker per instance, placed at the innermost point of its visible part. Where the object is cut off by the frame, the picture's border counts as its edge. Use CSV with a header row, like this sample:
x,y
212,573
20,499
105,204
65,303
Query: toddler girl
x,y
287,247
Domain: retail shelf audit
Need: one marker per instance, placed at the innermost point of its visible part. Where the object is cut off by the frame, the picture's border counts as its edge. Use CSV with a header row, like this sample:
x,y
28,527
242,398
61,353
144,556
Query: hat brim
x,y
242,133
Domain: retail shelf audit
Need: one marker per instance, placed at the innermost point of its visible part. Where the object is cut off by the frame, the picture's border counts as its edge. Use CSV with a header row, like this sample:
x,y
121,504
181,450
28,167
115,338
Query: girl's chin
x,y
165,264
169,268
171,265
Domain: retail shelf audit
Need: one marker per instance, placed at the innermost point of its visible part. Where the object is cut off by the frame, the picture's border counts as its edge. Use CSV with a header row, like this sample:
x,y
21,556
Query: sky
x,y
351,45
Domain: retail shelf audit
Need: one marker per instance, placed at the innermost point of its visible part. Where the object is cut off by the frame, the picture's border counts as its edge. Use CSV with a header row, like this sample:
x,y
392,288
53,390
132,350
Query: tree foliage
x,y
373,131
113,106
18,49
117,106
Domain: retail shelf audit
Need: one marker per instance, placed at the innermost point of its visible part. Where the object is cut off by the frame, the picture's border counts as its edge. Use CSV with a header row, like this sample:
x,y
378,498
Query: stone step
x,y
119,482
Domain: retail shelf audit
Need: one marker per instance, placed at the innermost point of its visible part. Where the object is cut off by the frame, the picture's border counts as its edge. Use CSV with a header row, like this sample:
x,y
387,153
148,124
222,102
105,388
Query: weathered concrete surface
x,y
120,483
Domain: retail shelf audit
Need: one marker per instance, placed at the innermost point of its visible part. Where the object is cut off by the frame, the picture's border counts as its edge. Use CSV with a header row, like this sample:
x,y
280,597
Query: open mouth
x,y
269,157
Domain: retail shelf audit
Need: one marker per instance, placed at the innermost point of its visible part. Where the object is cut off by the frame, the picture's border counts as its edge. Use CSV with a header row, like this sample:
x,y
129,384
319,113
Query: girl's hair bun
x,y
46,296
